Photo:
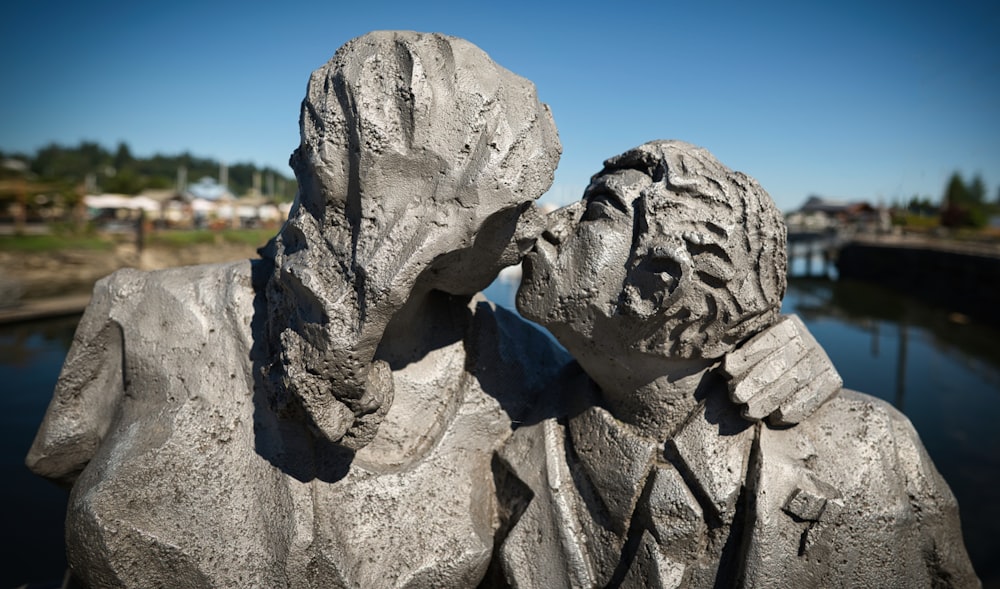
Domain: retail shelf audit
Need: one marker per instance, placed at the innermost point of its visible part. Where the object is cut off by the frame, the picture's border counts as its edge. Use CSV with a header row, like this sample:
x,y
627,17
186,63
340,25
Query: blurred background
x,y
157,134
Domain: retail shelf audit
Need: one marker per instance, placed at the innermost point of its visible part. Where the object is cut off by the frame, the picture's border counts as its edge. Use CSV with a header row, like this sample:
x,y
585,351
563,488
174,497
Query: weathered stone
x,y
714,447
345,412
674,265
326,416
652,568
598,441
676,517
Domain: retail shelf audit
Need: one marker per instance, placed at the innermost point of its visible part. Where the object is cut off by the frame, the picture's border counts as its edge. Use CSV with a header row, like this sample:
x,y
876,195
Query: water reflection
x,y
941,370
31,508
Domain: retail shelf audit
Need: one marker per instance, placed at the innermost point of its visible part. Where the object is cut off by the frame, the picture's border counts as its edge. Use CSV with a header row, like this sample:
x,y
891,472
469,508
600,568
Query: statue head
x,y
412,144
419,157
669,254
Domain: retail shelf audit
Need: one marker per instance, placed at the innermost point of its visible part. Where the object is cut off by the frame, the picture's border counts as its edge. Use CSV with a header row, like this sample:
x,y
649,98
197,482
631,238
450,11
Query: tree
x,y
977,190
956,194
964,206
123,157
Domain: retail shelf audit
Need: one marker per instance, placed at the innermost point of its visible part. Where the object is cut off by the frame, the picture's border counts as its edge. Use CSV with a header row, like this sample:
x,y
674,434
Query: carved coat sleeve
x,y
87,393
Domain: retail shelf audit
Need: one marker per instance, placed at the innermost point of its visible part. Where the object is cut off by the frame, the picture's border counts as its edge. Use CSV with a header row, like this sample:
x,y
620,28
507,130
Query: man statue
x,y
654,478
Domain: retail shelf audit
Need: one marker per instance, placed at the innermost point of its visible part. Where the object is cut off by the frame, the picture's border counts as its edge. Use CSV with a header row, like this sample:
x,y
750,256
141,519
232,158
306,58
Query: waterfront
x,y
940,369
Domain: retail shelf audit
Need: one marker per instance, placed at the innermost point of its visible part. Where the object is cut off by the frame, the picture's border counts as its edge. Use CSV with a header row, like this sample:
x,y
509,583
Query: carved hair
x,y
709,255
421,105
409,142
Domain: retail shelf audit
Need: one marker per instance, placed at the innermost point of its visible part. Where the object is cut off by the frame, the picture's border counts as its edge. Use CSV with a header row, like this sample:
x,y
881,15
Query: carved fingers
x,y
781,374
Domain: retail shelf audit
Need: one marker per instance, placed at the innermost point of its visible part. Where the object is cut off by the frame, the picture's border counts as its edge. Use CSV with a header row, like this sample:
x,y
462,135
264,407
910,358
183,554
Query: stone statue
x,y
326,416
654,478
346,411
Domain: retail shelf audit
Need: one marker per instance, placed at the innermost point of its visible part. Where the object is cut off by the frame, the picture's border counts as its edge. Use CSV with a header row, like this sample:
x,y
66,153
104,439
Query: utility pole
x,y
224,176
182,174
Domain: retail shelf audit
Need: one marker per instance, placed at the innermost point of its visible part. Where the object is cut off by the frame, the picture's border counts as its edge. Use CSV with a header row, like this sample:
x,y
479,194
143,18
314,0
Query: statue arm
x,y
935,508
781,374
86,396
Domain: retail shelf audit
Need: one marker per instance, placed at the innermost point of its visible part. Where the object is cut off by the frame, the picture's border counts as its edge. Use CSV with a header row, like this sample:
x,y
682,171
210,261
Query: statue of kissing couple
x,y
346,411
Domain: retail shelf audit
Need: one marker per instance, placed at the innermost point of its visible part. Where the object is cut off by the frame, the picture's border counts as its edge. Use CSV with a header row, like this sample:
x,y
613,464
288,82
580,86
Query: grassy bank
x,y
251,237
54,264
53,243
56,242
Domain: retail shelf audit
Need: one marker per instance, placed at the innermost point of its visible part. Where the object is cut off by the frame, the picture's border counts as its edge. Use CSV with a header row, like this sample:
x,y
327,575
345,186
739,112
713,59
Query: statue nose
x,y
561,223
554,235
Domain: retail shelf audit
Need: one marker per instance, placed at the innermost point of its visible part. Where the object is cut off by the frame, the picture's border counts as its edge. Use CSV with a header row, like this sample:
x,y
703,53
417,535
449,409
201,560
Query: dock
x,y
47,308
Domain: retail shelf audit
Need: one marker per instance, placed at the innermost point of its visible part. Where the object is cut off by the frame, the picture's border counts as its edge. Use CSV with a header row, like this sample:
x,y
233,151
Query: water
x,y
942,371
31,508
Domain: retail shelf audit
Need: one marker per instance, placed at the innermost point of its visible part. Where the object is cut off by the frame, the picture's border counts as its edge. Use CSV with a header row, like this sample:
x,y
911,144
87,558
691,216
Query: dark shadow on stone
x,y
282,438
516,364
719,410
513,497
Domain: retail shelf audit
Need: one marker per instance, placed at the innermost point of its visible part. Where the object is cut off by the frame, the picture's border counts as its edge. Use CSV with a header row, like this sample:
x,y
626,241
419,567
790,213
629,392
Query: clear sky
x,y
857,100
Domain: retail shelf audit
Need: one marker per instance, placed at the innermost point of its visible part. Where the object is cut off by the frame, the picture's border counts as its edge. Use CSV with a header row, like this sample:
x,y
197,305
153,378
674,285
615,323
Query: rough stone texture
x,y
764,373
416,149
345,412
664,284
196,413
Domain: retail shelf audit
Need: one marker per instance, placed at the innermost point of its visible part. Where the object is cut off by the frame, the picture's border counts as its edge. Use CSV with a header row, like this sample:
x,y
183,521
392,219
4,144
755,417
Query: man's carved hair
x,y
709,258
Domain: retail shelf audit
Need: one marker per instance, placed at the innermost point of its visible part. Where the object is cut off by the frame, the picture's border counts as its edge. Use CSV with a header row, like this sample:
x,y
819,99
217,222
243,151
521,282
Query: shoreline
x,y
58,284
44,308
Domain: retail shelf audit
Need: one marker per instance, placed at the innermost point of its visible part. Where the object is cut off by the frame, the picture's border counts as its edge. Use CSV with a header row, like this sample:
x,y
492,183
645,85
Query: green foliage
x,y
254,237
977,190
93,167
923,222
922,206
965,204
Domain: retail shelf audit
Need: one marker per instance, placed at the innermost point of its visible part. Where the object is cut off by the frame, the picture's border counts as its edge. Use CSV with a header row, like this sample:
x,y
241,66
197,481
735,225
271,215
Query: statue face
x,y
670,254
576,276
418,156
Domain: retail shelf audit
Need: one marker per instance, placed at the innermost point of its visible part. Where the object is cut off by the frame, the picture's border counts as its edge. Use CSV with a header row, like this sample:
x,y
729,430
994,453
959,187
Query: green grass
x,y
168,239
920,222
52,243
182,238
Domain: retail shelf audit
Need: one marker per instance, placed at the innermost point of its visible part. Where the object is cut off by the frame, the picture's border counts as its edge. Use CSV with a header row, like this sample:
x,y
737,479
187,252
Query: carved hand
x,y
781,374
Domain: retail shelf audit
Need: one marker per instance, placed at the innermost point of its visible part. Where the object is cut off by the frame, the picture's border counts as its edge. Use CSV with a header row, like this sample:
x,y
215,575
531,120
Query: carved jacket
x,y
183,476
847,498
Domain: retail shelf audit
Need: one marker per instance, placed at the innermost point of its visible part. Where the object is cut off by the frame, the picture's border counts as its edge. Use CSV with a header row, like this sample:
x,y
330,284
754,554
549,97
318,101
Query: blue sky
x,y
856,100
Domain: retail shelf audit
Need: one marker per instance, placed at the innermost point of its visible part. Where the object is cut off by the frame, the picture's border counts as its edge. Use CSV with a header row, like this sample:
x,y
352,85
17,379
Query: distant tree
x,y
921,206
964,205
977,190
69,171
956,193
123,157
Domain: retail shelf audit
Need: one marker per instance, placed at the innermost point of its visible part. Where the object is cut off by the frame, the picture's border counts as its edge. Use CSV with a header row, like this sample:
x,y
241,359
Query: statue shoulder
x,y
855,475
173,293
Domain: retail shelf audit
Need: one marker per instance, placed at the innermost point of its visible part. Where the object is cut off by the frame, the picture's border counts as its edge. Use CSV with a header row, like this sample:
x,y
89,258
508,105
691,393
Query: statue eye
x,y
603,205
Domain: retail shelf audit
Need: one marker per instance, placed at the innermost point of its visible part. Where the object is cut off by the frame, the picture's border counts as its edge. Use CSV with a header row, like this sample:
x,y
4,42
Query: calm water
x,y
943,373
